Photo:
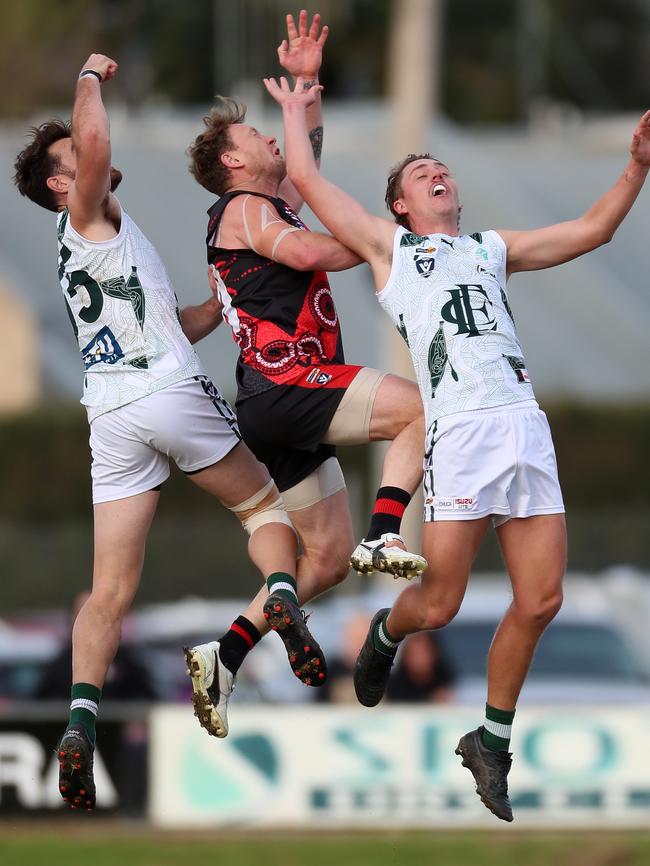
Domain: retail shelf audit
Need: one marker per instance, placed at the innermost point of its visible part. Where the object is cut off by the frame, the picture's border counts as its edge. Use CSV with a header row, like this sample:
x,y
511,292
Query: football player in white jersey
x,y
148,399
489,454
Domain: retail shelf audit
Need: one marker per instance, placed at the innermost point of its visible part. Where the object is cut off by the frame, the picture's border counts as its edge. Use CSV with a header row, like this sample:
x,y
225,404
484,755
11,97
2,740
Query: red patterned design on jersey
x,y
284,321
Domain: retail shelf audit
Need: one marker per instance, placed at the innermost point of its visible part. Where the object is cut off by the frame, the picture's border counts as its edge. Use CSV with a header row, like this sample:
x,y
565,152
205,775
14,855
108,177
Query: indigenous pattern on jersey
x,y
447,297
284,321
124,313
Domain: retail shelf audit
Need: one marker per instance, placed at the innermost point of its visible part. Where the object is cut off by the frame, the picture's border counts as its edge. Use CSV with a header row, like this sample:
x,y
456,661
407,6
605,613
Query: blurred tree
x,y
500,59
42,45
596,50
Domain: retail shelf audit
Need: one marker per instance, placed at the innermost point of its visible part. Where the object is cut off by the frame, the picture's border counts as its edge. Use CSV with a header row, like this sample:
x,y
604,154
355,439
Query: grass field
x,y
104,847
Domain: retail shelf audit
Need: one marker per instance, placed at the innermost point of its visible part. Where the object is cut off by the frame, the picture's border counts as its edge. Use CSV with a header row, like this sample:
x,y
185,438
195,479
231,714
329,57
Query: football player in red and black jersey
x,y
296,397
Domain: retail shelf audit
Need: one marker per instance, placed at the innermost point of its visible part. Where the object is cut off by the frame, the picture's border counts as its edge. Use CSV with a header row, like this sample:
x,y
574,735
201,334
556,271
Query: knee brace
x,y
265,506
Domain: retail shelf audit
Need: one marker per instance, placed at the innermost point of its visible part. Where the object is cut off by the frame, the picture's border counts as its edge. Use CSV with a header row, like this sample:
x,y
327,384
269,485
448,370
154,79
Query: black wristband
x,y
91,72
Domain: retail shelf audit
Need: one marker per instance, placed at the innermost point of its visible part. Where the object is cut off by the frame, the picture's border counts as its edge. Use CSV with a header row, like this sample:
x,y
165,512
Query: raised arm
x,y
553,245
368,236
301,55
91,143
261,228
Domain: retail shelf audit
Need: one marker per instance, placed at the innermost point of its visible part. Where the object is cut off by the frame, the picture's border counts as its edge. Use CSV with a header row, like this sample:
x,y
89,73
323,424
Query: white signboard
x,y
321,767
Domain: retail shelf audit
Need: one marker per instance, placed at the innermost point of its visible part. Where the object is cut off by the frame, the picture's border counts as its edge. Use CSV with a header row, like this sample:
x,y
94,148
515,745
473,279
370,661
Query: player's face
x,y
259,153
428,189
64,150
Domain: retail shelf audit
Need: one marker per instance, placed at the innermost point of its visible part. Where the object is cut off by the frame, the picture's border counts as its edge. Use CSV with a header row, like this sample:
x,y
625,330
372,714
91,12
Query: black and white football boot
x,y
212,686
490,770
76,782
385,555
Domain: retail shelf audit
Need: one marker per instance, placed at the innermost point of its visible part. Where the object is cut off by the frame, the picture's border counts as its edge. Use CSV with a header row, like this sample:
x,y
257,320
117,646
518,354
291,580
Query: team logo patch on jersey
x,y
481,254
425,265
410,239
102,349
317,377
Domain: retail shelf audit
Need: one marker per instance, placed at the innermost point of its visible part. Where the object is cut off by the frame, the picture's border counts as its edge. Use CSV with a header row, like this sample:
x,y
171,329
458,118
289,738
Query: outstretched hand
x,y
640,147
301,53
284,95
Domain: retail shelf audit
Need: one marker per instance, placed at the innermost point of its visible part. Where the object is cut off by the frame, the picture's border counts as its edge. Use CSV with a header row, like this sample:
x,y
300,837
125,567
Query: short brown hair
x,y
394,185
34,164
209,145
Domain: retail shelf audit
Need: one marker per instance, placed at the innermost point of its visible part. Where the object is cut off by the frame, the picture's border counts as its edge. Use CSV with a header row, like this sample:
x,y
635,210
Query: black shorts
x,y
284,428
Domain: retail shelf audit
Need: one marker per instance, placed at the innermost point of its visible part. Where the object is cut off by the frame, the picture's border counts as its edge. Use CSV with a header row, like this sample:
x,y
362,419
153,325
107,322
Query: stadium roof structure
x,y
584,326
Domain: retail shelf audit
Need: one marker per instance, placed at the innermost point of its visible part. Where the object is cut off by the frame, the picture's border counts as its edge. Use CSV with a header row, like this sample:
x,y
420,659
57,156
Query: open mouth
x,y
439,189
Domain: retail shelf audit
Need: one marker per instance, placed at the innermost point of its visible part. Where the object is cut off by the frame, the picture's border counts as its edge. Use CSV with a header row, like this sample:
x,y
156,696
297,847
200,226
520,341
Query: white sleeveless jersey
x,y
124,313
447,297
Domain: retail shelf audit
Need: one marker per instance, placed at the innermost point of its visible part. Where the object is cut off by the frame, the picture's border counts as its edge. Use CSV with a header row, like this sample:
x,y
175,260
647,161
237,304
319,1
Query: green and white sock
x,y
383,640
83,707
283,584
497,728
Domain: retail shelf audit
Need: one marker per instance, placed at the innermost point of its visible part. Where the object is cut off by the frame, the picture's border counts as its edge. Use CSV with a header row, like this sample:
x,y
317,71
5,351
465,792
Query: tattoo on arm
x,y
316,138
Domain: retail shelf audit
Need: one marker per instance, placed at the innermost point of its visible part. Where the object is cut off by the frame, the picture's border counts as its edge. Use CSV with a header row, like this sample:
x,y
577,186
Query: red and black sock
x,y
237,642
389,509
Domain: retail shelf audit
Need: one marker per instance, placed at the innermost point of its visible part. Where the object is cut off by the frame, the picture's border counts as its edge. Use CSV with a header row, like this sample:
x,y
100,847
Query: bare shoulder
x,y
231,227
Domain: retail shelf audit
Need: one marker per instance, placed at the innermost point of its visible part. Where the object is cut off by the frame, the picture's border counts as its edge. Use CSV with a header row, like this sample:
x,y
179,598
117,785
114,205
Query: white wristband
x,y
91,72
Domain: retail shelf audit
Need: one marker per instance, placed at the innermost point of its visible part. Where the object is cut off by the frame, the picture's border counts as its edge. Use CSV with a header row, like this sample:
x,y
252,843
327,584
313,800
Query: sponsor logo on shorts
x,y
102,349
317,377
459,503
441,504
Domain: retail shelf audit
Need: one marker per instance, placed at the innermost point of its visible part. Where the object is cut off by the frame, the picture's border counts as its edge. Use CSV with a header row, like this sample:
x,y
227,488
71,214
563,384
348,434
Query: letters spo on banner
x,y
395,768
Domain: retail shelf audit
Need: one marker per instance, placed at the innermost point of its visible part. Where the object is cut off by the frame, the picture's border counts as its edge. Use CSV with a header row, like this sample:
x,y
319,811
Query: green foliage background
x,y
587,53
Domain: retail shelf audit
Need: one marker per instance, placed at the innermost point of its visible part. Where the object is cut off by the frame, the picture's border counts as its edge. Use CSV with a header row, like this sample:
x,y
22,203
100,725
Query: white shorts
x,y
189,421
497,461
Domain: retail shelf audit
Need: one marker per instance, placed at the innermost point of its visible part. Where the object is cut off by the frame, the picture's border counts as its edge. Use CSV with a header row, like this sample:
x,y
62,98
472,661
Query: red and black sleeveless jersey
x,y
284,321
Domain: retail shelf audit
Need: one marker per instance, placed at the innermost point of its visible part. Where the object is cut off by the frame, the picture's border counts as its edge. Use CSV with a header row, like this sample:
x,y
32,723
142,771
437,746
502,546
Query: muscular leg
x,y
121,529
534,549
325,531
272,547
238,481
392,412
397,415
450,548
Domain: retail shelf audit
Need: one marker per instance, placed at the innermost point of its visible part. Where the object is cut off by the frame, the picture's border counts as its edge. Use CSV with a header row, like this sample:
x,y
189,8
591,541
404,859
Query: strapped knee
x,y
265,506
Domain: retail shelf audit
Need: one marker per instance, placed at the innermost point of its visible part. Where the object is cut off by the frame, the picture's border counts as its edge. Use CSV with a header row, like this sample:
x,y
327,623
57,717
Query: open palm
x,y
302,52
